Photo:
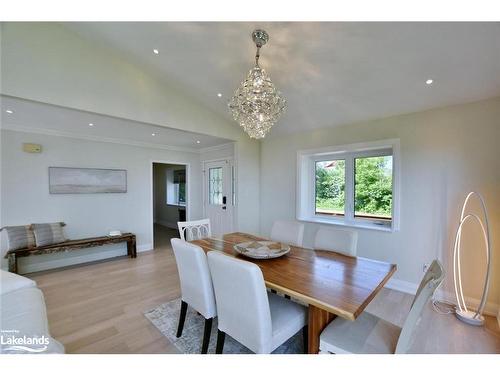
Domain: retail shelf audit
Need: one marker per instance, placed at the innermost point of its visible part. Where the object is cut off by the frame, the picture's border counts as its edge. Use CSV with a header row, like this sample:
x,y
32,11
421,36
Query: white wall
x,y
444,154
225,151
48,63
25,192
165,214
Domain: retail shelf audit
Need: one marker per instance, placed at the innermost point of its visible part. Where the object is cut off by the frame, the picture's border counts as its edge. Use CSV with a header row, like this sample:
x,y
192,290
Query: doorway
x,y
218,192
170,201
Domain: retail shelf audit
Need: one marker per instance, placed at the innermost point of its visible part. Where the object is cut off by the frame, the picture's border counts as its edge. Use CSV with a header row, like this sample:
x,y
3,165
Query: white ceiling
x,y
330,73
44,118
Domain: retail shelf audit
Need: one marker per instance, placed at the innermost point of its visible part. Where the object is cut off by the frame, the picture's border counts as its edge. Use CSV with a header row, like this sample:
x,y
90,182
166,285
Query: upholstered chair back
x,y
289,232
339,240
432,279
196,283
242,302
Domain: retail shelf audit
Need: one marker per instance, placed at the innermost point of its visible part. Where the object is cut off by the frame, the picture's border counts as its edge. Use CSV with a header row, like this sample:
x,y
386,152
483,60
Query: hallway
x,y
162,236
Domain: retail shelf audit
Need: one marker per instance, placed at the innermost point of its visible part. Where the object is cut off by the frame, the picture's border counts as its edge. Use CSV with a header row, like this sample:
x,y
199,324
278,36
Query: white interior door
x,y
218,195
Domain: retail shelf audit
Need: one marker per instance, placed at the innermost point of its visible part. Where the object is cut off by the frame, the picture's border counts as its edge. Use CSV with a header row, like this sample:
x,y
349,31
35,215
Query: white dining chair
x,y
370,334
259,320
289,232
194,230
196,286
342,241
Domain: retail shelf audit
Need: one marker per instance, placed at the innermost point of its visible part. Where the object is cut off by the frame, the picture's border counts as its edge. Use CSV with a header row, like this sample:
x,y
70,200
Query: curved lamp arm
x,y
457,277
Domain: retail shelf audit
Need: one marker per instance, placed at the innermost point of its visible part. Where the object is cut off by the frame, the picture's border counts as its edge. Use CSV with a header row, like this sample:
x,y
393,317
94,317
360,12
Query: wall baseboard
x,y
473,303
145,247
444,296
79,259
402,286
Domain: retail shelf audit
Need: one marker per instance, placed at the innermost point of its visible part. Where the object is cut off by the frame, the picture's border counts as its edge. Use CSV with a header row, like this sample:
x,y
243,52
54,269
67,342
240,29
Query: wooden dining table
x,y
330,283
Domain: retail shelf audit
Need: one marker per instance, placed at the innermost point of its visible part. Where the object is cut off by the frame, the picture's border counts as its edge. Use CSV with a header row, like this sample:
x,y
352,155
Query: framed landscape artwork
x,y
86,180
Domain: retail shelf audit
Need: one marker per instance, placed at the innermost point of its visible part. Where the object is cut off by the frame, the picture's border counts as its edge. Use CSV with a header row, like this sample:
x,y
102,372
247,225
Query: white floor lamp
x,y
462,313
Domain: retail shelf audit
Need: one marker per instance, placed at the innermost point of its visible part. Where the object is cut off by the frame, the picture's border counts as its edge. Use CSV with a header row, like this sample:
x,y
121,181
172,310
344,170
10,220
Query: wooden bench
x,y
129,238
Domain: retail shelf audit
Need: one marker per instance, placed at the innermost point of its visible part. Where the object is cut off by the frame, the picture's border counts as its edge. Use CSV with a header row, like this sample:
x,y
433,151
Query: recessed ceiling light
x,y
429,81
219,95
90,124
153,134
198,142
9,111
156,52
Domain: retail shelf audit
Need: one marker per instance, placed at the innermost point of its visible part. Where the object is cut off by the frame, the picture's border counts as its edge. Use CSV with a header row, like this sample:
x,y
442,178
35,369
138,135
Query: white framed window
x,y
352,185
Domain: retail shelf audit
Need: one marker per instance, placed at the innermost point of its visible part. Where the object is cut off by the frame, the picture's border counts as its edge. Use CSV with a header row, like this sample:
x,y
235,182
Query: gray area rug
x,y
166,317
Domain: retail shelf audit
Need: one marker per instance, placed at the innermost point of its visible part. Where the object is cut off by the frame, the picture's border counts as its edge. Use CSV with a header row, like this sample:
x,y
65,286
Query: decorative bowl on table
x,y
262,249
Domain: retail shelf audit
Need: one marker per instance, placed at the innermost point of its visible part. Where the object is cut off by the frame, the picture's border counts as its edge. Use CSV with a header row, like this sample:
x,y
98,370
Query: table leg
x,y
134,248
12,263
318,320
131,248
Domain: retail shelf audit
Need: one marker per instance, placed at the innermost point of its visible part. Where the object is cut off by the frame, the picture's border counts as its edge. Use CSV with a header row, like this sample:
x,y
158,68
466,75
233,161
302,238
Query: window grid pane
x,y
373,188
330,187
215,186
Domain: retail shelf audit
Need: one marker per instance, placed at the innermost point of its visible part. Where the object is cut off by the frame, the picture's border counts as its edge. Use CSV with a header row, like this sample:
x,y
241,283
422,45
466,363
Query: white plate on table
x,y
262,249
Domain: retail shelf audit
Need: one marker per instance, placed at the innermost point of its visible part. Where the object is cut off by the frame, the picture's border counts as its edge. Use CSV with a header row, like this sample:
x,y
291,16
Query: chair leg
x,y
305,337
182,318
206,336
220,341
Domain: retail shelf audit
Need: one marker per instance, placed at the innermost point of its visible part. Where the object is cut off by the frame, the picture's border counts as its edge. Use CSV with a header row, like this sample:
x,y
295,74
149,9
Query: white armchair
x,y
23,312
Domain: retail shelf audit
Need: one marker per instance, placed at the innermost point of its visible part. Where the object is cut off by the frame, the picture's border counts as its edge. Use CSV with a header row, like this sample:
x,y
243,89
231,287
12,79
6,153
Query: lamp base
x,y
468,317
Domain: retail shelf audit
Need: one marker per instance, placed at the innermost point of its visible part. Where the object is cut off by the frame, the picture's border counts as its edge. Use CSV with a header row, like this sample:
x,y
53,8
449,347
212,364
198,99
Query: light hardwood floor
x,y
98,308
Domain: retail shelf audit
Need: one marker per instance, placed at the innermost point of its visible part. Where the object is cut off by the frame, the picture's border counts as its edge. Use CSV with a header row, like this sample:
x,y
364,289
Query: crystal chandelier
x,y
257,104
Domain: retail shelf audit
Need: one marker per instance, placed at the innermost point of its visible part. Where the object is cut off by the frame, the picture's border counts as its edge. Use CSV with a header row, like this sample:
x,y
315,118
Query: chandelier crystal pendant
x,y
257,104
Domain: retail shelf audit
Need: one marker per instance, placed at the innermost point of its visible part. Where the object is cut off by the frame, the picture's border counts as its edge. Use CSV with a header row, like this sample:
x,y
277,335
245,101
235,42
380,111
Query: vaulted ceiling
x,y
330,73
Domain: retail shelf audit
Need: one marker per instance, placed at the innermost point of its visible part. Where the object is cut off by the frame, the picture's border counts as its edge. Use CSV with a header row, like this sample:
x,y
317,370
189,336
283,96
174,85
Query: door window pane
x,y
373,187
330,187
215,185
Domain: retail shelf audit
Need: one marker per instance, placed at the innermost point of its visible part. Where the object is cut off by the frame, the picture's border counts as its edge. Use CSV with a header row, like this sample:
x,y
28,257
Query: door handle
x,y
223,207
224,200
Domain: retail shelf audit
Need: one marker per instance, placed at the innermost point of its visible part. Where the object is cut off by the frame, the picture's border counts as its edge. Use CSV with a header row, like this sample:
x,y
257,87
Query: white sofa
x,y
23,317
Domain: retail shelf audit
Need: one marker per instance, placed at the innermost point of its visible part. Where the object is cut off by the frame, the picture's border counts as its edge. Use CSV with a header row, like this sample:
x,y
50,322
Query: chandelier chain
x,y
257,55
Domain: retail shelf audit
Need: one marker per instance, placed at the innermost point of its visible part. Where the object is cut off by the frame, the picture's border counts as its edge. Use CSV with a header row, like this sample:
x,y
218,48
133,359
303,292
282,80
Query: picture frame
x,y
68,180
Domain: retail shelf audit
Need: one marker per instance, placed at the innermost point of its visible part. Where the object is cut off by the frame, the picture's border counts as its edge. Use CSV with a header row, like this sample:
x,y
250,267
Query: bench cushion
x,y
48,234
19,237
